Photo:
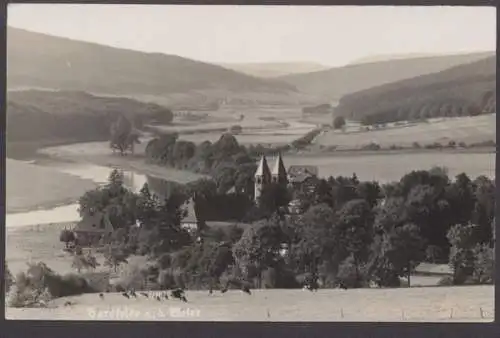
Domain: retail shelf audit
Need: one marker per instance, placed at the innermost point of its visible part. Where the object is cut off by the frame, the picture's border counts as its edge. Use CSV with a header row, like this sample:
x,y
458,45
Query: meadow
x,y
390,167
463,129
426,304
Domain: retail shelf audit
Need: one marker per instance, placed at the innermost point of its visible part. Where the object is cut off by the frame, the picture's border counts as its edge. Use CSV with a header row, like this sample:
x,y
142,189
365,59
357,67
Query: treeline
x,y
321,109
230,164
464,90
66,116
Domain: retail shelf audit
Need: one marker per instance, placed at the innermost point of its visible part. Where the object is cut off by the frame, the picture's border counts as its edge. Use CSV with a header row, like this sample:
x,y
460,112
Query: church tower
x,y
278,174
262,177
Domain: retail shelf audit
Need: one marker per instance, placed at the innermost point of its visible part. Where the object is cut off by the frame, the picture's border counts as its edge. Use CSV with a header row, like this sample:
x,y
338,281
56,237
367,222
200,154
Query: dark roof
x,y
97,222
296,170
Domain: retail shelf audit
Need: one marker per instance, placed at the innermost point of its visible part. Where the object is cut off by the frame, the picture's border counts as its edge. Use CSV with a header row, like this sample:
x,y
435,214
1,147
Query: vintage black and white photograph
x,y
250,163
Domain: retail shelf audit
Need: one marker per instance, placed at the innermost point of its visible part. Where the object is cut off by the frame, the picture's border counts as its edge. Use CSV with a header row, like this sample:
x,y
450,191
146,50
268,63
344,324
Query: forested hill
x,y
468,89
42,61
334,83
44,117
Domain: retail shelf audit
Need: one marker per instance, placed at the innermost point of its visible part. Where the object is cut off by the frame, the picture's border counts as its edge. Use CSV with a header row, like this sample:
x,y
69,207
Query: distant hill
x,y
274,69
334,83
42,61
468,89
389,57
44,117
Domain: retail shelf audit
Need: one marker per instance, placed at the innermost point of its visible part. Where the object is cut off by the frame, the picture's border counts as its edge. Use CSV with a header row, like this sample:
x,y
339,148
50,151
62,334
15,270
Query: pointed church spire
x,y
279,168
263,168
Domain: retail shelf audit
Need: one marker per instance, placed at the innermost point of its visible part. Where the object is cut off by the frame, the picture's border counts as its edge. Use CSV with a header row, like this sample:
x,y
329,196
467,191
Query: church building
x,y
265,176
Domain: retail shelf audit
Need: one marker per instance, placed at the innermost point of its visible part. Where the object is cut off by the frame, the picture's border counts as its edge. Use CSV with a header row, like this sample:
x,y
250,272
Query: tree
x,y
67,237
114,256
484,264
123,136
354,229
258,248
79,263
404,249
315,241
463,240
339,122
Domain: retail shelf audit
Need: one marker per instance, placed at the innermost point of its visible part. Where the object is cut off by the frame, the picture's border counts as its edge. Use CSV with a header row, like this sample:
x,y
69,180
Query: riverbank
x,y
32,187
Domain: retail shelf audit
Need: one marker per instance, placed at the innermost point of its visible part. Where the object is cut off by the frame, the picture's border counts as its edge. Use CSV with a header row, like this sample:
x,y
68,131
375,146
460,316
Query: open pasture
x,y
434,304
460,129
390,167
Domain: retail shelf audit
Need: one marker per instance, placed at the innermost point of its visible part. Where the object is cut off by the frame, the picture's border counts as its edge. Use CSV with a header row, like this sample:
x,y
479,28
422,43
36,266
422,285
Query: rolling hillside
x,y
467,89
42,61
274,69
45,117
334,83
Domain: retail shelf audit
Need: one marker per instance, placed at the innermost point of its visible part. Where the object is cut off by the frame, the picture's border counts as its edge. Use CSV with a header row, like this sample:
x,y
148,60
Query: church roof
x,y
279,167
263,168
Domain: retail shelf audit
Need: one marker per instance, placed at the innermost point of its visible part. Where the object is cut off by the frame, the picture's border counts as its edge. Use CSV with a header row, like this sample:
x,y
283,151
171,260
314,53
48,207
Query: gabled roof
x,y
263,168
191,214
97,222
296,170
279,167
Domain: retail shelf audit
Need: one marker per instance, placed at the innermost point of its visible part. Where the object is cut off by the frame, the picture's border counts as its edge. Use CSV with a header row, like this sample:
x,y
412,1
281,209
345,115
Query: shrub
x,y
338,122
446,281
484,264
489,143
462,144
435,145
41,284
416,145
66,236
350,275
371,146
132,276
452,144
166,280
8,279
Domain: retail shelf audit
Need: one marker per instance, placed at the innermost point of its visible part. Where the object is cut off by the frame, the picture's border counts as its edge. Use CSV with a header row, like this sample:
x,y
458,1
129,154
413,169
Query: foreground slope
x,y
334,83
44,61
470,87
413,304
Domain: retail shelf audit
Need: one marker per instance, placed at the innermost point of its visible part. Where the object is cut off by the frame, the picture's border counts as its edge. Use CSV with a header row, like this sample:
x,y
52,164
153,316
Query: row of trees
x,y
428,110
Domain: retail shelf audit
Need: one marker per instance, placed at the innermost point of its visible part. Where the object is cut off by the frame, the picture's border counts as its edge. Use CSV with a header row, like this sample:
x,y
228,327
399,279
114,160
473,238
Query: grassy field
x,y
33,187
465,129
390,167
410,305
41,243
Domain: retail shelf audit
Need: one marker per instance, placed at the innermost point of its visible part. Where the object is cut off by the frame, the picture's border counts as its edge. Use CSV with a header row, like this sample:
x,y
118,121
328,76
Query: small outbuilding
x,y
92,228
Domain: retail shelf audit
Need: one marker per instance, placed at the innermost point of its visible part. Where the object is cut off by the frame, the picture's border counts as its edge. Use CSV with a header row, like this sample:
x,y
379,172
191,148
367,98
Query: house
x,y
92,228
300,173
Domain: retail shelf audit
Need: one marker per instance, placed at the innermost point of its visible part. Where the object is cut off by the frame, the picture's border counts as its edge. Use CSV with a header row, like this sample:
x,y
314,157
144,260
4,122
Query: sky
x,y
329,35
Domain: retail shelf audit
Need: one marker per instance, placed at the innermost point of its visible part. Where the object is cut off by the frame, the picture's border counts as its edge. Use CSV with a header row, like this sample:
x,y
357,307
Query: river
x,y
69,213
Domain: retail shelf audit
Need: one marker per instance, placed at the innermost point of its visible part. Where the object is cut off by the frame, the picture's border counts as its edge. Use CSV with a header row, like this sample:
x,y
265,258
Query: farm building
x,y
92,228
